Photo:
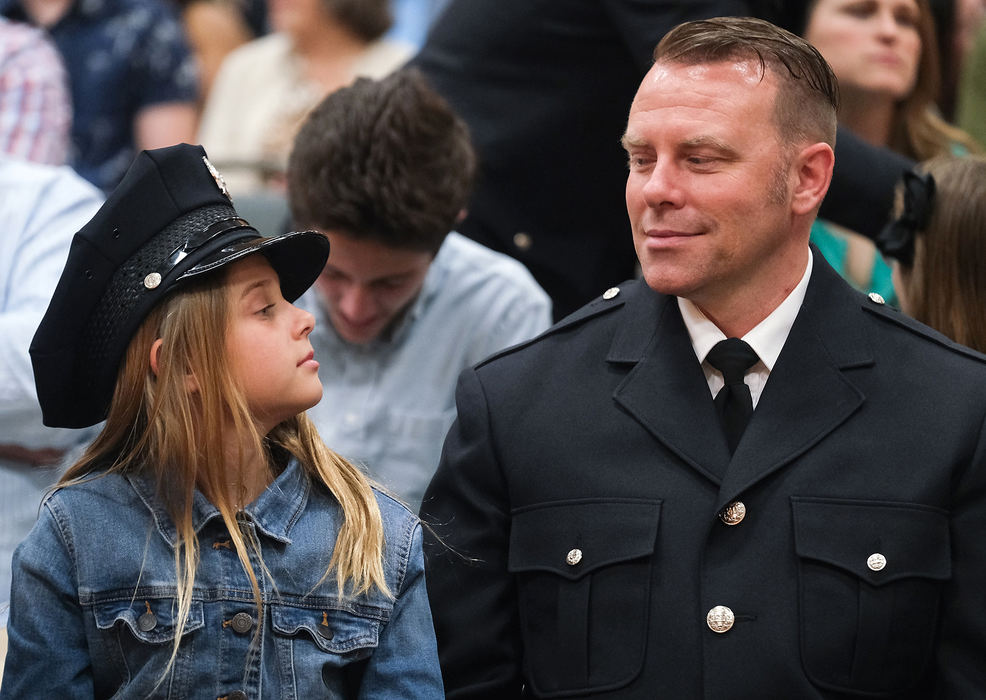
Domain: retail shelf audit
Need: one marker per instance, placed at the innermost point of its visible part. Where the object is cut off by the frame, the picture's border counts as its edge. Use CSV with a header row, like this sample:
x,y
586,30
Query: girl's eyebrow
x,y
256,284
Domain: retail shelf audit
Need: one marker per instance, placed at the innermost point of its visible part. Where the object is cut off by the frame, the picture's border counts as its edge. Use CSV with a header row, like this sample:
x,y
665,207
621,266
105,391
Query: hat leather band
x,y
196,241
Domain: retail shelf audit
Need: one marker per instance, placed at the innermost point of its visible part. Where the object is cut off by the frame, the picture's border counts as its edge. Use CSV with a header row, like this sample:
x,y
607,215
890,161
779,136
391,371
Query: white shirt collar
x,y
767,338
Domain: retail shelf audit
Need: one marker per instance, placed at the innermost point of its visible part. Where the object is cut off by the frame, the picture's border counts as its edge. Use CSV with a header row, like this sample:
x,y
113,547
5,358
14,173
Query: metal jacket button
x,y
733,514
876,562
720,619
242,622
573,557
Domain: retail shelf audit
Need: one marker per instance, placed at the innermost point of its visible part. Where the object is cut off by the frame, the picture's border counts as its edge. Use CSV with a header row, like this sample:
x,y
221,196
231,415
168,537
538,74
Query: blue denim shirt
x,y
93,603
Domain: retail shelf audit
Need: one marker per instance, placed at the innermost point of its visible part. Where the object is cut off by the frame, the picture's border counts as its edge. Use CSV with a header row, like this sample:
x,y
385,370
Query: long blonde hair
x,y
919,131
157,427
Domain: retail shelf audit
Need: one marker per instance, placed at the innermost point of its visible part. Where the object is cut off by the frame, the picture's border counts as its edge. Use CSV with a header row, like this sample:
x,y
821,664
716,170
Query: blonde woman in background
x,y
885,56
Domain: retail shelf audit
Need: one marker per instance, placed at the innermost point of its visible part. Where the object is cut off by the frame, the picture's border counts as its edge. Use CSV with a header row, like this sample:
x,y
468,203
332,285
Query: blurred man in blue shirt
x,y
384,169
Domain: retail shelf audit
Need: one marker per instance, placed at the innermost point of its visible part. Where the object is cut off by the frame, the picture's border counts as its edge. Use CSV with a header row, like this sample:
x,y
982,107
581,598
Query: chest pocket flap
x,y
333,631
152,621
877,542
574,538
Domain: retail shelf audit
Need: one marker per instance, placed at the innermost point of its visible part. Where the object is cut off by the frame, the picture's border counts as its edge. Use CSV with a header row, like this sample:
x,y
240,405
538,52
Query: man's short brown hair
x,y
808,94
386,160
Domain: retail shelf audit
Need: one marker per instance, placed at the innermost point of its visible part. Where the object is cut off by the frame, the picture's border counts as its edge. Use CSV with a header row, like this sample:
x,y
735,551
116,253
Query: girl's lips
x,y
310,357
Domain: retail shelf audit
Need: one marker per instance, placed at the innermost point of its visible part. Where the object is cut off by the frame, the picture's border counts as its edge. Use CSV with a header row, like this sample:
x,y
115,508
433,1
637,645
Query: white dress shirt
x,y
767,338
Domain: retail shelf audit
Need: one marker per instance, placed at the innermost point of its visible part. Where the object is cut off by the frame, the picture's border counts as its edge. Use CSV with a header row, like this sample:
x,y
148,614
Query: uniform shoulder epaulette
x,y
612,298
876,305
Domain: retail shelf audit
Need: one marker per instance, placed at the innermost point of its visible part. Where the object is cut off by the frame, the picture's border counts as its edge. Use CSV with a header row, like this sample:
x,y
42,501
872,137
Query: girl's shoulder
x,y
98,487
398,520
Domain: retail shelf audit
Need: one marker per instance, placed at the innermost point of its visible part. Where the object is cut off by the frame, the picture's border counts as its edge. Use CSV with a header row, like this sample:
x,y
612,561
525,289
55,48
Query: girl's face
x,y
873,46
267,342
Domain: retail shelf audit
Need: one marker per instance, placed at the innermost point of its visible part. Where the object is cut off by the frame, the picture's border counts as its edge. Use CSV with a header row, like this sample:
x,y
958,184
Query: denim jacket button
x,y
147,622
242,622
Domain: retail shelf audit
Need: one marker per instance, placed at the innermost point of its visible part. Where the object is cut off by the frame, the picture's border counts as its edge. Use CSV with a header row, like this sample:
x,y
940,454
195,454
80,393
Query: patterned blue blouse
x,y
121,56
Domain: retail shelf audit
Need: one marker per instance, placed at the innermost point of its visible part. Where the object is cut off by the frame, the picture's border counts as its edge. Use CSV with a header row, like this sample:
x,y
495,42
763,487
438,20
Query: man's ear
x,y
814,175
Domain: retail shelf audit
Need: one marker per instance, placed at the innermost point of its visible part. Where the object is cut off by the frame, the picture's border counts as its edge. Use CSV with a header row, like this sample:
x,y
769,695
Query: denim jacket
x,y
93,603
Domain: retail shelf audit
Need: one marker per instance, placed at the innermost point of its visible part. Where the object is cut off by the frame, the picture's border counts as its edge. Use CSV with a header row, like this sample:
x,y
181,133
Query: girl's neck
x,y
247,474
868,116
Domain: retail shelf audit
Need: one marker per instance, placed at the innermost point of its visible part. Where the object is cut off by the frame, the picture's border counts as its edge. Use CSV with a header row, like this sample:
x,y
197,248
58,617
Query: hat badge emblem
x,y
217,177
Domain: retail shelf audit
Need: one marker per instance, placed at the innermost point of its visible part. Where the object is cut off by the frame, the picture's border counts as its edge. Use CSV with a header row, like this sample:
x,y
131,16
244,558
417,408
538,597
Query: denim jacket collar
x,y
274,512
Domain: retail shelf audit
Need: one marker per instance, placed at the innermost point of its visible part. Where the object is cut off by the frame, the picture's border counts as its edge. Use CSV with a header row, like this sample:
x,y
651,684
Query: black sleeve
x,y
862,191
467,526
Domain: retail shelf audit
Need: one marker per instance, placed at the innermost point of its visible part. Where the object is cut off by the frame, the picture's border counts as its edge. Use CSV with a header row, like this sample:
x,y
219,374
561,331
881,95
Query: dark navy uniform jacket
x,y
588,533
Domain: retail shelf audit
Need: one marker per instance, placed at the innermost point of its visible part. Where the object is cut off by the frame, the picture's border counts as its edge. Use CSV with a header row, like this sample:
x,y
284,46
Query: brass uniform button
x,y
242,622
733,514
876,562
720,619
573,557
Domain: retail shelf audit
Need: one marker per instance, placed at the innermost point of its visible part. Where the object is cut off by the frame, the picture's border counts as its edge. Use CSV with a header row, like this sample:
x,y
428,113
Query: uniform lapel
x,y
808,394
666,390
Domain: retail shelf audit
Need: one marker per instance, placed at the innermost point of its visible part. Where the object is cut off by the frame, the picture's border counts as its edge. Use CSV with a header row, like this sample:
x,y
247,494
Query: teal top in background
x,y
835,248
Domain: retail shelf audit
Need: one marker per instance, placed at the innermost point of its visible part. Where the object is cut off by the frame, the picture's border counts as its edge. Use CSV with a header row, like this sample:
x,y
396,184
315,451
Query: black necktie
x,y
733,357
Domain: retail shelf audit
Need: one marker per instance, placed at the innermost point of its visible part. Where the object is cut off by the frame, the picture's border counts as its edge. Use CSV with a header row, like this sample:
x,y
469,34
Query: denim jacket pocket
x,y
316,645
135,638
584,565
869,583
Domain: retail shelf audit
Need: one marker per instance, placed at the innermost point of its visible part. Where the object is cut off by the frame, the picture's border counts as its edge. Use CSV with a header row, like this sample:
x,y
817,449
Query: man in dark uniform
x,y
544,85
604,527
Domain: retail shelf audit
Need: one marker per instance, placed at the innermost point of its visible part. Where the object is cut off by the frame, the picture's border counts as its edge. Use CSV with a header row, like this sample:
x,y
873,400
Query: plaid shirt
x,y
35,109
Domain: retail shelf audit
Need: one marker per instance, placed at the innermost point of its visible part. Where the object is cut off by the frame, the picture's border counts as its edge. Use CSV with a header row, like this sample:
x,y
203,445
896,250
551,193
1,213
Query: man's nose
x,y
662,186
356,303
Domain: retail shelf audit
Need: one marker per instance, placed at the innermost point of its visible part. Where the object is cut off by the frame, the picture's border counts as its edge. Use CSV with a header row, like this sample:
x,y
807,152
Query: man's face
x,y
709,187
367,286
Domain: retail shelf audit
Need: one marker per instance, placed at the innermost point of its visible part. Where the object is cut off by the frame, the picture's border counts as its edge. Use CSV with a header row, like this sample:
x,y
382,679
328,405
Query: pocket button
x,y
147,622
573,557
876,562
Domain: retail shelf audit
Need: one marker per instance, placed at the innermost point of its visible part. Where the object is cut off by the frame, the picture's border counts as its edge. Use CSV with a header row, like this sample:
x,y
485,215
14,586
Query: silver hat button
x,y
152,280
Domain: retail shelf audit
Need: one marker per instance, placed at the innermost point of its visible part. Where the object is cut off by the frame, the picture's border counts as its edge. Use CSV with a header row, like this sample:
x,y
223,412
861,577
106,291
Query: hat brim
x,y
297,257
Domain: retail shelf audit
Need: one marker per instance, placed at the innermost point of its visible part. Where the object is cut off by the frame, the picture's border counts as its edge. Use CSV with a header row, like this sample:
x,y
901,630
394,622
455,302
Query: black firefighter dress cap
x,y
169,220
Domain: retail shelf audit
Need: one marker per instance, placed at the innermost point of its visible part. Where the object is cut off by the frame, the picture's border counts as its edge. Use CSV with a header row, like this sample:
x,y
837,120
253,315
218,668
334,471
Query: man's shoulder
x,y
931,343
595,320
